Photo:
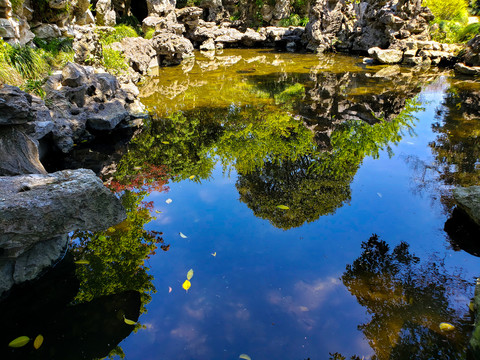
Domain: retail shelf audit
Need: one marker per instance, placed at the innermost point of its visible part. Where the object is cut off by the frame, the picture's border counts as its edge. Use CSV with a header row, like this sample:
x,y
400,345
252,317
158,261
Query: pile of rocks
x,y
470,64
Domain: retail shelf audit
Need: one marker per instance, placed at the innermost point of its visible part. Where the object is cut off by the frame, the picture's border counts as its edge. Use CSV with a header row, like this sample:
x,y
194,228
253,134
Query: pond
x,y
308,194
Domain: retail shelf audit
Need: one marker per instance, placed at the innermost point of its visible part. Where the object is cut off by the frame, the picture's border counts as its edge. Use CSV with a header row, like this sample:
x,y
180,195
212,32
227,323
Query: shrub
x,y
149,34
120,31
449,9
294,20
114,61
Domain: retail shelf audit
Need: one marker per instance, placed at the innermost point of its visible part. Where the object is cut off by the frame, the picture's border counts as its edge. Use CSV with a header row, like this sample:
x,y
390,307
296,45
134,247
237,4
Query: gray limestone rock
x,y
18,153
15,106
106,116
38,207
386,56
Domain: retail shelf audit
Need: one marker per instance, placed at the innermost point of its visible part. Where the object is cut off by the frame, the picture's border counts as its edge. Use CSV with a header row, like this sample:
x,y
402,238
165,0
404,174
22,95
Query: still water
x,y
309,196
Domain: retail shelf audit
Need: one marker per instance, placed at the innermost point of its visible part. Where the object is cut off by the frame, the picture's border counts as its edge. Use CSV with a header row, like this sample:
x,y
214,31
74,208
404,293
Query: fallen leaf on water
x,y
471,306
137,168
165,142
38,342
168,201
190,274
128,322
158,212
379,195
183,235
19,342
82,262
186,285
169,289
446,327
192,177
283,207
245,356
214,253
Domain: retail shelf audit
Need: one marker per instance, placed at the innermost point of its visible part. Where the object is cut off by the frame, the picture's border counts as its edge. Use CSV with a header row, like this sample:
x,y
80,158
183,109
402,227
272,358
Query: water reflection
x,y
407,299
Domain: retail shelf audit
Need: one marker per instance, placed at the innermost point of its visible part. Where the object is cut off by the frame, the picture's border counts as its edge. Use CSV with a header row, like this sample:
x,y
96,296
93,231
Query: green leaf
x,y
82,262
190,274
19,342
128,322
38,342
283,207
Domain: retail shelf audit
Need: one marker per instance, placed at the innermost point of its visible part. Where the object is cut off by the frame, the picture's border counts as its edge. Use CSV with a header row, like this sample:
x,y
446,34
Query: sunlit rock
x,y
468,199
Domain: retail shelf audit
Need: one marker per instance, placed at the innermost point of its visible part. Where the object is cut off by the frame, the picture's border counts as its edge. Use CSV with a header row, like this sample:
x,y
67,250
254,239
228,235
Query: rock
x,y
139,53
105,14
388,56
106,116
47,31
468,199
38,207
208,45
388,72
15,106
251,37
467,70
73,75
7,29
160,7
86,46
358,26
171,49
282,10
58,4
472,52
18,153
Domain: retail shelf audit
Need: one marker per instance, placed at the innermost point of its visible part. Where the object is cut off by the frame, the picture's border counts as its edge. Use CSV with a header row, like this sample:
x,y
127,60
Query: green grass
x,y
114,61
456,10
149,34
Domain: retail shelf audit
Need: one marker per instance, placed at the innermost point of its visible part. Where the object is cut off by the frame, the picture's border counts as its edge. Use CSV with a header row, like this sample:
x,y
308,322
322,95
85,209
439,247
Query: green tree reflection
x,y
117,257
407,300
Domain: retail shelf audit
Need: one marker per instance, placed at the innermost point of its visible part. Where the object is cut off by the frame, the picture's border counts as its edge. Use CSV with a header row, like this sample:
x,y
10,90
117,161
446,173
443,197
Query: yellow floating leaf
x,y
192,177
214,253
128,322
38,342
186,285
158,212
283,207
446,327
165,142
190,274
183,235
245,356
19,342
82,262
471,306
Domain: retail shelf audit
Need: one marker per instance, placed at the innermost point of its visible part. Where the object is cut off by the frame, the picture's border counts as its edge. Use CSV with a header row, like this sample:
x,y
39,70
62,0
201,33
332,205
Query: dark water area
x,y
311,197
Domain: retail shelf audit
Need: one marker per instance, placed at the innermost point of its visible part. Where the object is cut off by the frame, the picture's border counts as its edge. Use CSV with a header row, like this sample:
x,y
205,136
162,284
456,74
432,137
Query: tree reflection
x,y
407,300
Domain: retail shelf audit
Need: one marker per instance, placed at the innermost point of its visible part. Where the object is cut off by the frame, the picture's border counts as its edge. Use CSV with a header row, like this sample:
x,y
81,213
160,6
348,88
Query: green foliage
x,y
149,34
17,5
119,32
294,20
114,61
34,87
468,32
8,74
116,257
449,9
293,93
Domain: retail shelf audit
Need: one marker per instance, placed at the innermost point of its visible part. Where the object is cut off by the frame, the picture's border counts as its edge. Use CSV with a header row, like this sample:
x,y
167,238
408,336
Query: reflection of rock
x,y
468,199
45,307
463,232
38,207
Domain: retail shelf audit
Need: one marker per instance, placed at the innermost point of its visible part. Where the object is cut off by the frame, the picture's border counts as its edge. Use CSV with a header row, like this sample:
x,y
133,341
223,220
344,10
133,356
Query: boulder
x,y
106,116
86,45
15,106
468,199
467,70
208,45
105,14
73,75
38,207
18,153
47,31
388,56
472,52
139,53
171,49
161,7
